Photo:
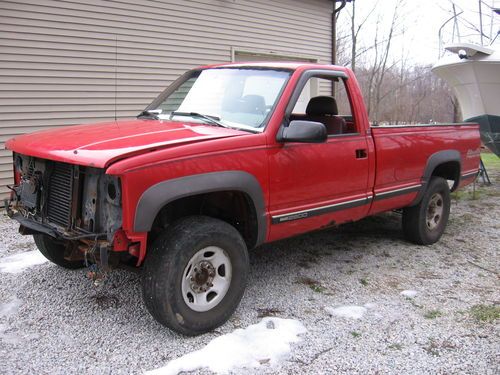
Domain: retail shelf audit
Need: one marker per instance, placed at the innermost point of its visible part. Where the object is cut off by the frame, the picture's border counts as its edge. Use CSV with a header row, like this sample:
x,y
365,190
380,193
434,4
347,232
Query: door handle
x,y
361,153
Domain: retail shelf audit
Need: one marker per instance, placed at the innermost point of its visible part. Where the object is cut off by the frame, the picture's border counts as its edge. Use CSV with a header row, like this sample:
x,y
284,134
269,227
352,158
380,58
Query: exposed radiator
x,y
60,194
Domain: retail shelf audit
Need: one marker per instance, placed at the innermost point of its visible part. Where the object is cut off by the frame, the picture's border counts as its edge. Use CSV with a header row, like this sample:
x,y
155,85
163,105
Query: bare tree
x,y
356,29
395,90
381,66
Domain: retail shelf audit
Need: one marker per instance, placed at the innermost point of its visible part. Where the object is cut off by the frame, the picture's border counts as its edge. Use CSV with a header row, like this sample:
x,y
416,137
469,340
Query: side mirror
x,y
303,131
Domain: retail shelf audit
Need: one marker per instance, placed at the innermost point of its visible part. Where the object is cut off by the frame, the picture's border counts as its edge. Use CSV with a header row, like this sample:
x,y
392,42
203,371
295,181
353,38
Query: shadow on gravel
x,y
353,237
72,293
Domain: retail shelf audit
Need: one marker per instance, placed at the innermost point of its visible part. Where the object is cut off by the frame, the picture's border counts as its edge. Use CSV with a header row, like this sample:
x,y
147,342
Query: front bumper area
x,y
31,226
80,206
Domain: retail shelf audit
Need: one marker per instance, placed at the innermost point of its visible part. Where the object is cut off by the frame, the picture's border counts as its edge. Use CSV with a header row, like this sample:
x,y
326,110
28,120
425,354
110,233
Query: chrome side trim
x,y
470,174
396,192
320,210
304,214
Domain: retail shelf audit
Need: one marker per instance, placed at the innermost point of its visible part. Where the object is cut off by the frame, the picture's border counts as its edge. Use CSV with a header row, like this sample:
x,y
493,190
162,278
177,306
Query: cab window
x,y
316,103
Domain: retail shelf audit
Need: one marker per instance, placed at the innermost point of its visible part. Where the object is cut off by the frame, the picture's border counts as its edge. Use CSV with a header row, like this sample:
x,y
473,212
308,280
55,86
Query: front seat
x,y
324,109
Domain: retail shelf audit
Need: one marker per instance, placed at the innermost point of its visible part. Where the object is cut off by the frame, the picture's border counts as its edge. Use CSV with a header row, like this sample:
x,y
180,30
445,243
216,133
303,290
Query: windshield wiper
x,y
210,119
150,113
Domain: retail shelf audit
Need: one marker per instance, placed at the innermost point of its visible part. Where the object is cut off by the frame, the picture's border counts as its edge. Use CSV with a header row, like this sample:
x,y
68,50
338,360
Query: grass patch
x,y
313,284
490,160
481,192
460,194
470,194
317,288
484,313
433,314
355,334
363,282
395,346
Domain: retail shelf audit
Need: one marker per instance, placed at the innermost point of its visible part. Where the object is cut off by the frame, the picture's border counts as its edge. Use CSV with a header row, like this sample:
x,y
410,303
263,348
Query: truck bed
x,y
403,153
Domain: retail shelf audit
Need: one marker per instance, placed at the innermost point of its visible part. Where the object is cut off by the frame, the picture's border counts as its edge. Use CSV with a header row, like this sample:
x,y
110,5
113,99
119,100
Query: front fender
x,y
157,196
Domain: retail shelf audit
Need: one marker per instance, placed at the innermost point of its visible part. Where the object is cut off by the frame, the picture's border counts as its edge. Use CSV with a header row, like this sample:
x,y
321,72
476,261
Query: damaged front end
x,y
77,205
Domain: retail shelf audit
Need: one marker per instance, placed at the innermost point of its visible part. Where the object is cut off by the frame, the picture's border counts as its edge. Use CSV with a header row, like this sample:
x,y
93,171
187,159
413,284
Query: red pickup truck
x,y
227,158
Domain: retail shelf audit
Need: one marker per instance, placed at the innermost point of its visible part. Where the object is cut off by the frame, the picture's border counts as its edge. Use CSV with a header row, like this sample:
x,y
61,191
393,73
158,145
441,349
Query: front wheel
x,y
425,222
195,275
55,251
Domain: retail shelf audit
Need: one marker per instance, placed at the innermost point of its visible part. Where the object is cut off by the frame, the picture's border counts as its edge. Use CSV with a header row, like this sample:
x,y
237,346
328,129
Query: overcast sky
x,y
422,20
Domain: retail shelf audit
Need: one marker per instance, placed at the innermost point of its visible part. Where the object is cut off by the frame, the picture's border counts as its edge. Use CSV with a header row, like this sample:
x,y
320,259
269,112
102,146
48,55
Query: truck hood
x,y
98,145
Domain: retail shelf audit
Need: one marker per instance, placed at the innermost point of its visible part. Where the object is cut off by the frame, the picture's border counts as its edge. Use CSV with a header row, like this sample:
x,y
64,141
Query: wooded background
x,y
396,88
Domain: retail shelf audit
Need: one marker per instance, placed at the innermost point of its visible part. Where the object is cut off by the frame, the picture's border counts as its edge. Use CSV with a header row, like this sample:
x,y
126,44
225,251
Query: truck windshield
x,y
235,97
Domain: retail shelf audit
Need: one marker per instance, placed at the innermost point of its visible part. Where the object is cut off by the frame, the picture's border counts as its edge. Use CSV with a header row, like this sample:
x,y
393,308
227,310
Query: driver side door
x,y
314,185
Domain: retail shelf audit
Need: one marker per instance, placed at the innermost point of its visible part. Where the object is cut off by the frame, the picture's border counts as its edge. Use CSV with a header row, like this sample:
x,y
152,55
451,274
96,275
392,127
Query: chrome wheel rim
x,y
435,210
206,279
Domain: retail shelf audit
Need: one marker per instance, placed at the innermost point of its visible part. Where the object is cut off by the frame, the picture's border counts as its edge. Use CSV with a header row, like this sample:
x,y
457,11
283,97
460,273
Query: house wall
x,y
71,62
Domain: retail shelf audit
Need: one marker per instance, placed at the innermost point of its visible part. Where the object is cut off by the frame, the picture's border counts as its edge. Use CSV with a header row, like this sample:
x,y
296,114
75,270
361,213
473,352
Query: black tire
x,y
166,269
54,251
422,223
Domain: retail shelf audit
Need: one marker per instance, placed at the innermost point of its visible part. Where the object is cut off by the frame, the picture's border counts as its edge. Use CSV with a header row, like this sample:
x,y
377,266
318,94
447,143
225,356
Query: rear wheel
x,y
195,275
55,251
425,222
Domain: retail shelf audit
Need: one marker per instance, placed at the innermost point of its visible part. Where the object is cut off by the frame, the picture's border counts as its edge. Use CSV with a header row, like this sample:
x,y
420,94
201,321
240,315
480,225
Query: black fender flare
x,y
157,196
433,162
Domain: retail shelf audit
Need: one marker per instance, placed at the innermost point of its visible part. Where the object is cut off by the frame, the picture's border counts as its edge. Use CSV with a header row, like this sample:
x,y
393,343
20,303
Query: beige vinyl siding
x,y
70,62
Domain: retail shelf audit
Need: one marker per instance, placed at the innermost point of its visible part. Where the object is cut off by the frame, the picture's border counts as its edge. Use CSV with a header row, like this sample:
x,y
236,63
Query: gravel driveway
x,y
54,321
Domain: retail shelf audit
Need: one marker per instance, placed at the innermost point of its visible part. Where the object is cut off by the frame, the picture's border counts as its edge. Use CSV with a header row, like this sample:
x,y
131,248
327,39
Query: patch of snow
x,y
348,311
66,339
265,342
409,293
7,309
370,305
9,338
17,263
10,308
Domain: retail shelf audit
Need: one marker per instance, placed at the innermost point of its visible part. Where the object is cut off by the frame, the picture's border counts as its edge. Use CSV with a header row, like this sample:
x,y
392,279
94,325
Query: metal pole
x,y
334,34
455,25
440,33
481,22
334,27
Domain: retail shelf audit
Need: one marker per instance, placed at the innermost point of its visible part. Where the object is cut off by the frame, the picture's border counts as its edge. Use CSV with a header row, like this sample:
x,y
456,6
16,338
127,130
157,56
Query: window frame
x,y
191,73
319,73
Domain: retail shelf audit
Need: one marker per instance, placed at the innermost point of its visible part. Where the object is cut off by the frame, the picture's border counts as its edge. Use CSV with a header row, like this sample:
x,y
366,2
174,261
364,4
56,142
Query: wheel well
x,y
449,171
233,207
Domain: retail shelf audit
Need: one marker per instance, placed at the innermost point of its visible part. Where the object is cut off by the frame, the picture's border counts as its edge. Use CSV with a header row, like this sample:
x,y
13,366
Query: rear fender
x,y
434,161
